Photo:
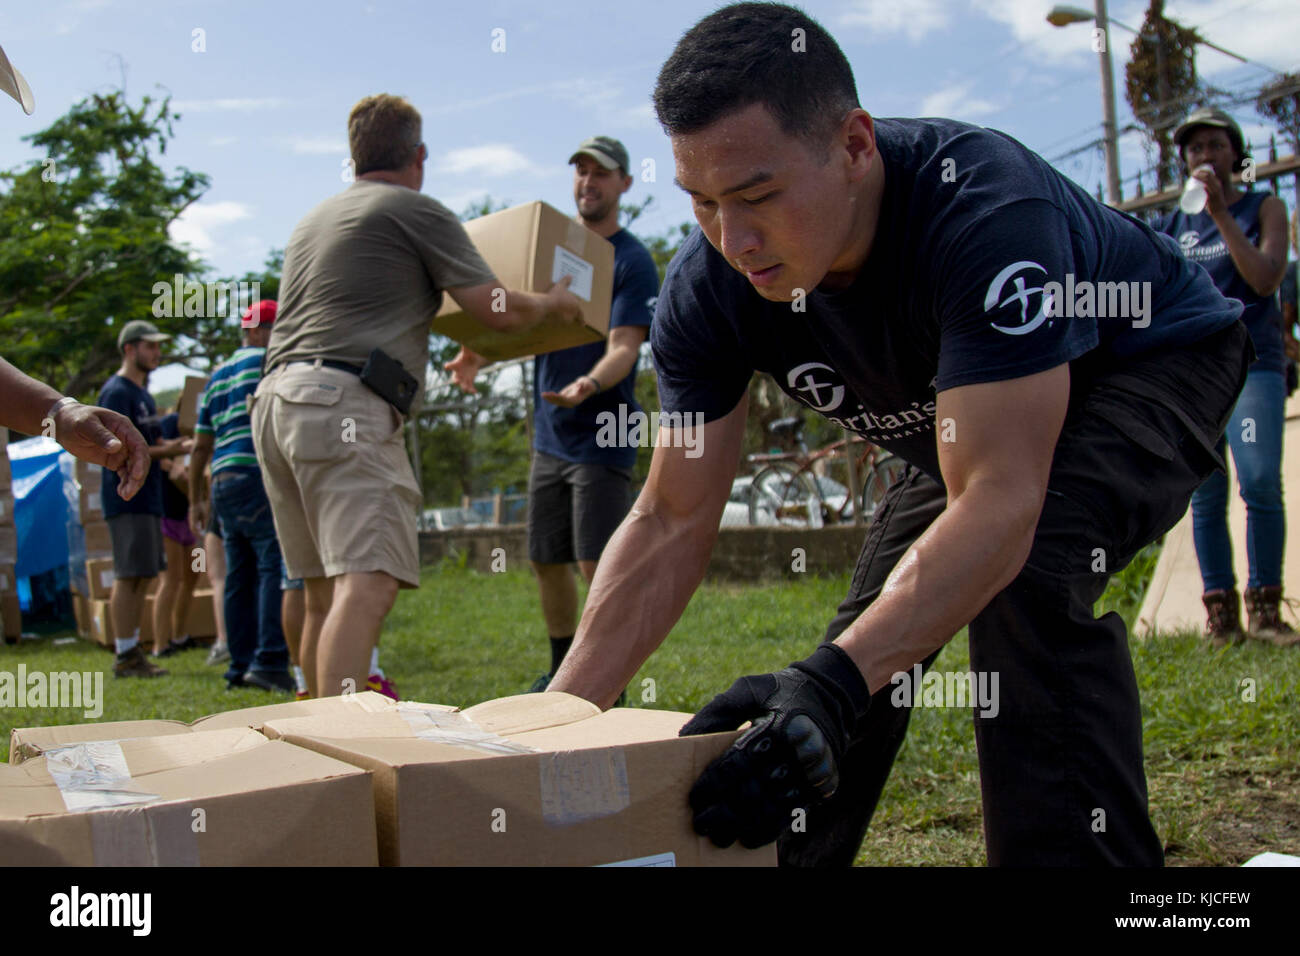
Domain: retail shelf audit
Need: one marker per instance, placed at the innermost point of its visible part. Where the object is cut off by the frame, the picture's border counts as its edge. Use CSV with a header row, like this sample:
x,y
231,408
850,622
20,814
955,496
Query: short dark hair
x,y
383,132
749,53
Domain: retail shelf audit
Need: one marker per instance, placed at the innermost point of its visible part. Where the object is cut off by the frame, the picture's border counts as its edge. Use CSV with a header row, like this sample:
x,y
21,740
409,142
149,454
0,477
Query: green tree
x,y
83,238
1279,101
1161,85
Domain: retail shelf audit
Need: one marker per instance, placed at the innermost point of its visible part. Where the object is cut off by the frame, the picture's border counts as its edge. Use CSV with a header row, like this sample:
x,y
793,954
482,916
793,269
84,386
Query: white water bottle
x,y
1194,195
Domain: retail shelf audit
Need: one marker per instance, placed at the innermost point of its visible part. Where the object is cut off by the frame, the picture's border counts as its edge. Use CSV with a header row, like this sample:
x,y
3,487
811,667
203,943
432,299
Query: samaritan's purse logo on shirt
x,y
1021,296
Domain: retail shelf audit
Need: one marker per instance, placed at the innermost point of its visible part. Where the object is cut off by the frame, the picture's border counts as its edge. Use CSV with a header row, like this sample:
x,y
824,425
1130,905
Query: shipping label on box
x,y
530,247
91,506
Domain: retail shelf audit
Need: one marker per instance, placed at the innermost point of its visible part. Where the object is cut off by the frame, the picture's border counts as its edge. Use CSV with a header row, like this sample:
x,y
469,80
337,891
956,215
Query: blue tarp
x,y
40,506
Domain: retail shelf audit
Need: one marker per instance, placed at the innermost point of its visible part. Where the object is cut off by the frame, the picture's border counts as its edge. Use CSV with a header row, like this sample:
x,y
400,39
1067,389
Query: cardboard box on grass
x,y
223,798
26,743
81,611
538,779
530,247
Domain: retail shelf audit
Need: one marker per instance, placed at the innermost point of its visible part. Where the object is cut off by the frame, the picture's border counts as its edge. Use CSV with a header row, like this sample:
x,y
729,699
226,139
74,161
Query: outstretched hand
x,y
103,437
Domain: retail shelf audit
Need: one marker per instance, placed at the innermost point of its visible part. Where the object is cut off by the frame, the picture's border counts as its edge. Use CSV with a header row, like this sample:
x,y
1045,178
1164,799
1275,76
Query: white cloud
x,y
496,159
1028,22
223,140
316,145
458,200
196,225
955,102
914,18
229,104
70,15
1265,31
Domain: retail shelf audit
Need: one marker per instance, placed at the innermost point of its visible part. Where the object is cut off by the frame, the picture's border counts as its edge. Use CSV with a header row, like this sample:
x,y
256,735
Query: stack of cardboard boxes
x,y
91,573
9,609
539,779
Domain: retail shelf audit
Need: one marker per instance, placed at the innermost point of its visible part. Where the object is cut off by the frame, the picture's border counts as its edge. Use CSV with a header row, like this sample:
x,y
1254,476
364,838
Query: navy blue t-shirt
x,y
1201,242
952,294
571,433
124,396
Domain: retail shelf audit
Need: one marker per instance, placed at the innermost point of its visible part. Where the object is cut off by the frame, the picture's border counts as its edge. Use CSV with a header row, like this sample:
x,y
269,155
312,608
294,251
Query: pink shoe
x,y
382,685
301,695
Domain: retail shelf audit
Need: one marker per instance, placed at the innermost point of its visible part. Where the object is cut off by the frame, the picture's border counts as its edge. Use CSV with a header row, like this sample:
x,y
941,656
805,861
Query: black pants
x,y
1061,769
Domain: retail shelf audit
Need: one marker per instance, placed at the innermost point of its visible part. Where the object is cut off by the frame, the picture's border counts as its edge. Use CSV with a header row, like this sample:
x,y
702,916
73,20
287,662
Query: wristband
x,y
595,381
58,406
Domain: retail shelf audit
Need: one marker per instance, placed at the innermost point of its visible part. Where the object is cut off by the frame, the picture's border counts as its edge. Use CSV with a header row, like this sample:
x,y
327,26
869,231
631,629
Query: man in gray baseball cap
x,y
135,525
609,152
138,330
579,486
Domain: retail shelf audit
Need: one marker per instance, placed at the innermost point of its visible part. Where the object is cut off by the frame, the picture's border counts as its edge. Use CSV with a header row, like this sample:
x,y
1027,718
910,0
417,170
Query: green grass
x,y
1222,770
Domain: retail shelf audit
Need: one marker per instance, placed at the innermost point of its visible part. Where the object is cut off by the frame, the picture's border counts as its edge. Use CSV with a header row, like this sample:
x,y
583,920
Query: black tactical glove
x,y
804,718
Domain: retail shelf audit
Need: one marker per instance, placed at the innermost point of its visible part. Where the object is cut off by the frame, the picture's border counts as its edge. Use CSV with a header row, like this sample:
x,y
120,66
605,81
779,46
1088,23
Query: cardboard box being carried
x,y
539,779
224,798
530,247
6,508
187,406
8,544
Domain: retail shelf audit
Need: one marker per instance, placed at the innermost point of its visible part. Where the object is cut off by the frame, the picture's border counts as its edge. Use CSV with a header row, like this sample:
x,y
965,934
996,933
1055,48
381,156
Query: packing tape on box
x,y
458,731
576,238
156,836
94,775
580,785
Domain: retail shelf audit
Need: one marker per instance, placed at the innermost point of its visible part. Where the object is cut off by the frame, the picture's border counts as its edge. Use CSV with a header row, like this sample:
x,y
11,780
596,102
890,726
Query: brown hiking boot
x,y
1224,624
134,664
1264,611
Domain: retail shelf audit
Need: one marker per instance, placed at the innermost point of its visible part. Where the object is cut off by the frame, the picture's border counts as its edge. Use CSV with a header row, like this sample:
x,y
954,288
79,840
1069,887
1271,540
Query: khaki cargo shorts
x,y
334,462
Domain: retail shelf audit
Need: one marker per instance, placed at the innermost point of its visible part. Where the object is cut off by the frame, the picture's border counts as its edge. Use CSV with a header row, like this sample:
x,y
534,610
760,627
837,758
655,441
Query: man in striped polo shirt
x,y
259,656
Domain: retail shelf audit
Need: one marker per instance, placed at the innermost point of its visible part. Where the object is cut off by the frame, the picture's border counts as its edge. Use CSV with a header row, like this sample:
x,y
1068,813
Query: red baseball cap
x,y
261,312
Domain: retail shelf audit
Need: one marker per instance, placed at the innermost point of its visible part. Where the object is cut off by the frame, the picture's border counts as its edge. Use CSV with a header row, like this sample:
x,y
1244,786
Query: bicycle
x,y
788,492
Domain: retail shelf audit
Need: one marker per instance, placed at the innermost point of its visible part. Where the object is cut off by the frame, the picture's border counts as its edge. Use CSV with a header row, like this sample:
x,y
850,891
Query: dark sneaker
x,y
1264,612
540,684
270,681
1223,624
134,664
173,647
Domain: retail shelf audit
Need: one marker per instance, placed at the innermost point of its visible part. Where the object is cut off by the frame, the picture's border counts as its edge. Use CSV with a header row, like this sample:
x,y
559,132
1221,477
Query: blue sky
x,y
264,105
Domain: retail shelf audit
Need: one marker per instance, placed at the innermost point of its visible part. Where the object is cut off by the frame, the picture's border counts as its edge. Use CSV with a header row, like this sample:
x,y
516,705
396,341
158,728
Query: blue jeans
x,y
1255,436
253,573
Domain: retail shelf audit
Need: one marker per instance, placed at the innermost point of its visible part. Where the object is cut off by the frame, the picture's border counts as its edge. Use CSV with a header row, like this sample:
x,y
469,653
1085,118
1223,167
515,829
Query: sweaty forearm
x,y
970,553
645,578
